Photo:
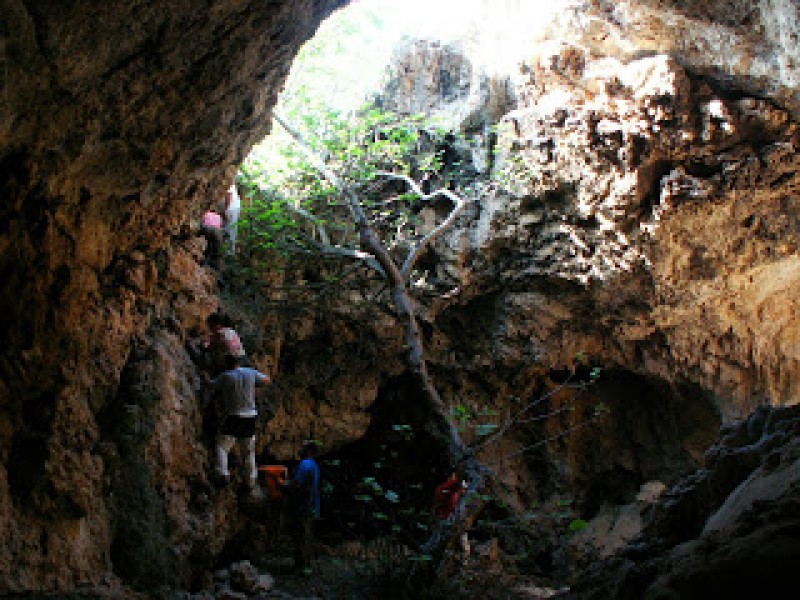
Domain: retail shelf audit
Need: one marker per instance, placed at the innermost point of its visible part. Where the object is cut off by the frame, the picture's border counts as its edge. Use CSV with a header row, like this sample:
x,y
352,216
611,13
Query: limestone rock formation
x,y
658,237
729,529
119,123
750,44
622,229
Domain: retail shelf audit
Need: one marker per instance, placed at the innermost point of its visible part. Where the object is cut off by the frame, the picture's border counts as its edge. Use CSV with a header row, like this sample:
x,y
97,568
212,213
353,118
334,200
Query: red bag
x,y
274,476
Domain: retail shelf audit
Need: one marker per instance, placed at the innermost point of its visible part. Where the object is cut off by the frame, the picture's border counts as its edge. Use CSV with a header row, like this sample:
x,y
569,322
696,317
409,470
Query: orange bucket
x,y
273,476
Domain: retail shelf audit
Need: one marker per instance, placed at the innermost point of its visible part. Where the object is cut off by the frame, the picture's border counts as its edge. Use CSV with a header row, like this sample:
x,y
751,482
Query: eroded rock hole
x,y
382,484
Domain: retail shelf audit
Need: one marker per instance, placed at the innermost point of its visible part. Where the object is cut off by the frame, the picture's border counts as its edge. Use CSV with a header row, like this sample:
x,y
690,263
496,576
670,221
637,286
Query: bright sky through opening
x,y
494,33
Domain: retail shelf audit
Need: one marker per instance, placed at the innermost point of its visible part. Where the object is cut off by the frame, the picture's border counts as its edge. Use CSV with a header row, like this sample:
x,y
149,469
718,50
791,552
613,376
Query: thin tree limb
x,y
345,252
315,222
458,206
439,425
516,418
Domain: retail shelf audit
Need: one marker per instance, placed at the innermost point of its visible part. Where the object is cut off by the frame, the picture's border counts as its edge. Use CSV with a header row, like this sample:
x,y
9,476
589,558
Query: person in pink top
x,y
212,229
222,341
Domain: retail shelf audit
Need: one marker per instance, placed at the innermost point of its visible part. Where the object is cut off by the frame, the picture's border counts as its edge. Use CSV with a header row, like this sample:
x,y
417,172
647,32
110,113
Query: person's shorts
x,y
239,427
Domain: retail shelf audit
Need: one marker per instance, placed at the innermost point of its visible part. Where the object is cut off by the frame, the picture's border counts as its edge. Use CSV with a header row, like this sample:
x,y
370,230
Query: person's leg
x,y
224,445
213,245
216,253
307,533
211,241
229,240
465,548
247,449
296,521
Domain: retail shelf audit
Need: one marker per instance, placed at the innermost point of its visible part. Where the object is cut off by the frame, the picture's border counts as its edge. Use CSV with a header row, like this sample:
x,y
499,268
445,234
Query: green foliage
x,y
289,208
600,410
390,520
577,525
460,413
420,558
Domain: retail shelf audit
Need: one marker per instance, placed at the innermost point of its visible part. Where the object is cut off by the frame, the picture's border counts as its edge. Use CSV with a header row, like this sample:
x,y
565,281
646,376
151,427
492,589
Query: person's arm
x,y
262,379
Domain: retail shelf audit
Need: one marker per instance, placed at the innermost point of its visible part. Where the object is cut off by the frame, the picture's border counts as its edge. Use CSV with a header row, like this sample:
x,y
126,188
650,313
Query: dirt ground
x,y
354,571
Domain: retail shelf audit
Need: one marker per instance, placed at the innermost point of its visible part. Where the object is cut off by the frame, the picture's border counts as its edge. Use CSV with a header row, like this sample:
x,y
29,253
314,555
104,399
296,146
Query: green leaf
x,y
421,558
578,525
485,428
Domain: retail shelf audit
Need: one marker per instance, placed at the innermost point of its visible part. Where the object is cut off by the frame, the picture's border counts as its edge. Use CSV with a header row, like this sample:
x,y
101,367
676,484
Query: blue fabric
x,y
306,476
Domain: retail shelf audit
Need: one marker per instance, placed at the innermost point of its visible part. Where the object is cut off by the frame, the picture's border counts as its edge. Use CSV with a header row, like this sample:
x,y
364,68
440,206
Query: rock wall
x,y
642,216
642,168
119,124
730,528
646,178
750,44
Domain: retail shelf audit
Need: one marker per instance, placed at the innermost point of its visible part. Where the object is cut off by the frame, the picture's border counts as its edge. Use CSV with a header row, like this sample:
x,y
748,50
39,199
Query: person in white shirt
x,y
233,206
234,390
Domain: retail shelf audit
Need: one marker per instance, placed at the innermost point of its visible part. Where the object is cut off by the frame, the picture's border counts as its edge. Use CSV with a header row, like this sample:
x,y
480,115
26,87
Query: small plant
x,y
577,525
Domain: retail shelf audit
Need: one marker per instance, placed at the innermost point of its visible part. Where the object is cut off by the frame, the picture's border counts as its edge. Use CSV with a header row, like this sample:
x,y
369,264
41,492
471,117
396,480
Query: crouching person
x,y
235,392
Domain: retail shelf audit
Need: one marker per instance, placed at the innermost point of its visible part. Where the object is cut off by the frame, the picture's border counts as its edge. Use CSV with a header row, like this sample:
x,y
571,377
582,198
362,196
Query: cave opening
x,y
657,431
382,484
121,123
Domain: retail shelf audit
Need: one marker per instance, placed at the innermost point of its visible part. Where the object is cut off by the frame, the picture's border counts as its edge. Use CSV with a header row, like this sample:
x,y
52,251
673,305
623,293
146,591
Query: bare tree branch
x,y
313,220
365,257
458,206
515,419
439,425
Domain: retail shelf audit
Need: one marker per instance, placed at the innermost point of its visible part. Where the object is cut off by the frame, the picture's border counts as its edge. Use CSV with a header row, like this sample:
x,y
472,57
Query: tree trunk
x,y
440,426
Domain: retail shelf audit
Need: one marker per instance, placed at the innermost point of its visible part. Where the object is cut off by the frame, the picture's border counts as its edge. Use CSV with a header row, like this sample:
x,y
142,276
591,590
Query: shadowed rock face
x,y
731,528
651,226
121,122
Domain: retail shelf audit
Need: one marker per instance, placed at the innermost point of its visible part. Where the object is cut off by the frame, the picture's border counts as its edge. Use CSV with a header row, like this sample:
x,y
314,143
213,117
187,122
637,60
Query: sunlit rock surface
x,y
645,218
